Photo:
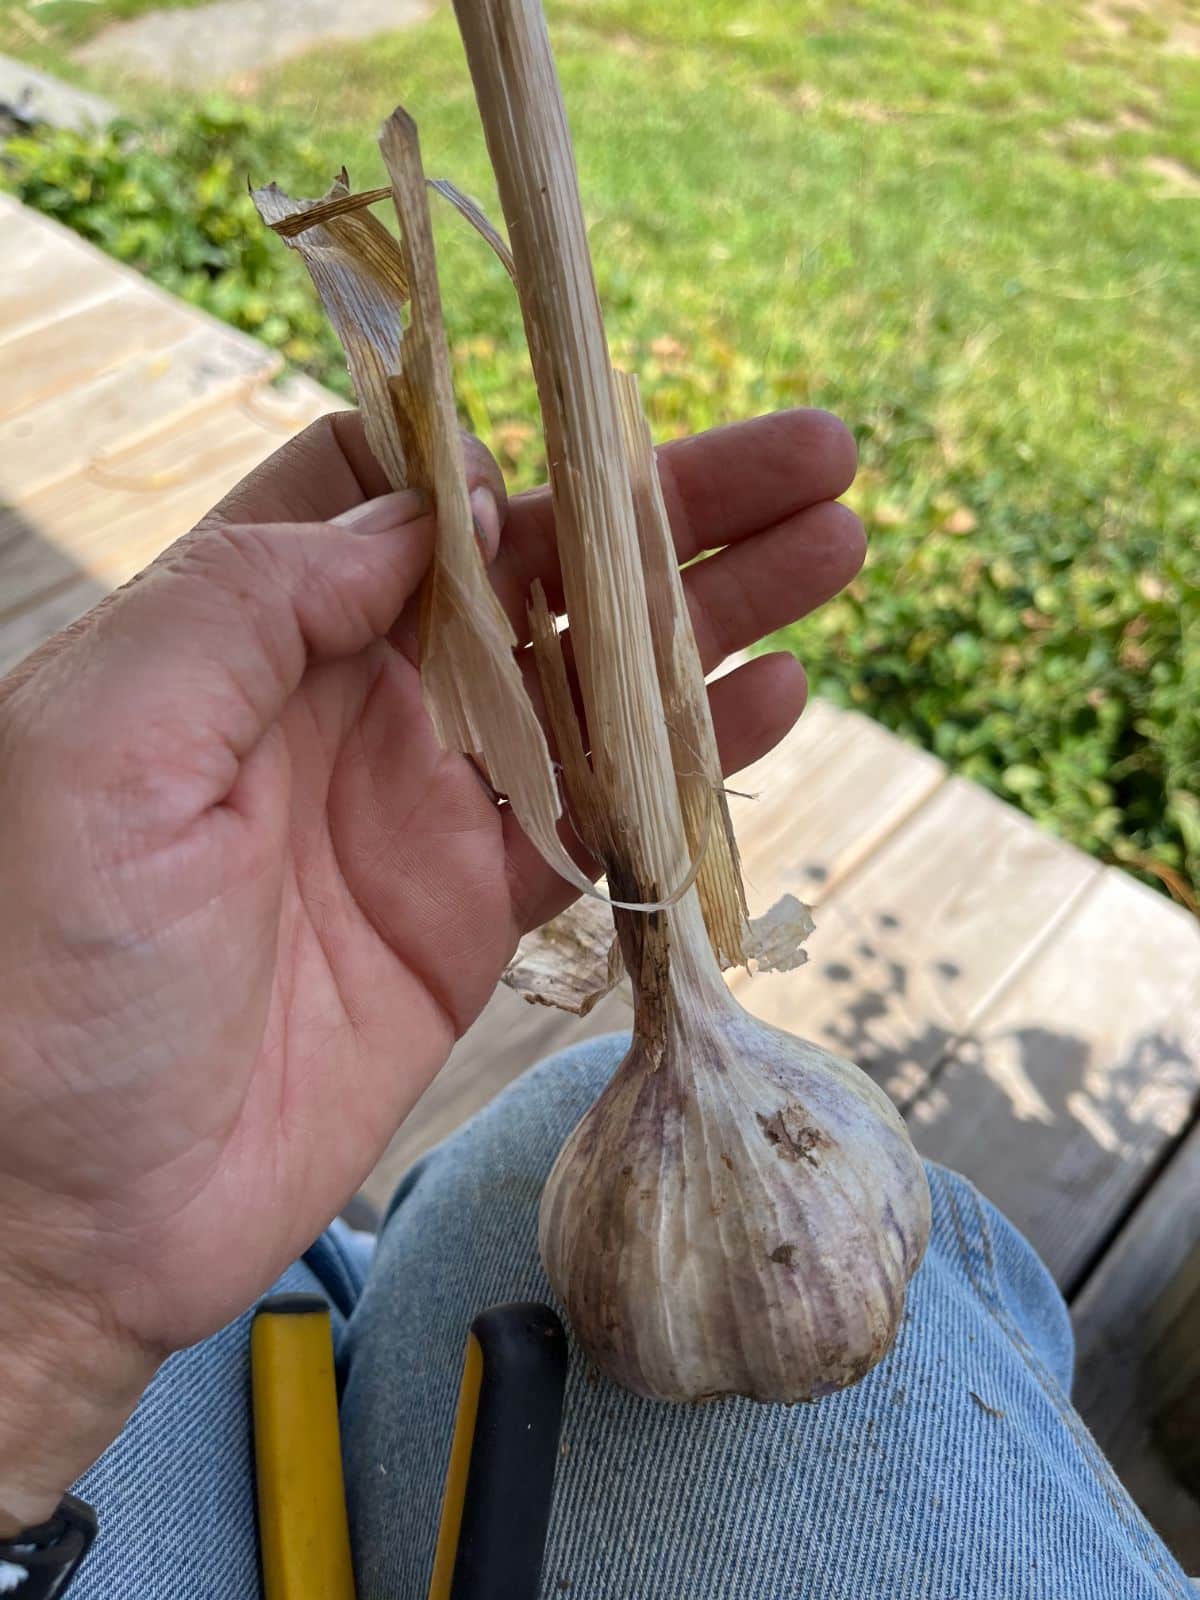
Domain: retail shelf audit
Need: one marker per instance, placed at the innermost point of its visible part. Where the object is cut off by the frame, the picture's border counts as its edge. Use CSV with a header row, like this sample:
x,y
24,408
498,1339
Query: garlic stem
x,y
525,124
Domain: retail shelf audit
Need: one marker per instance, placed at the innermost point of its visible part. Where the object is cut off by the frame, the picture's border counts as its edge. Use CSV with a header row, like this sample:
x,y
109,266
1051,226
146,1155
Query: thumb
x,y
179,675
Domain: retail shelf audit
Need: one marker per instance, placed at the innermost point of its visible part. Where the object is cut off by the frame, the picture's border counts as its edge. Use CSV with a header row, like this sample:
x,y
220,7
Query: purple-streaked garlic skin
x,y
741,1218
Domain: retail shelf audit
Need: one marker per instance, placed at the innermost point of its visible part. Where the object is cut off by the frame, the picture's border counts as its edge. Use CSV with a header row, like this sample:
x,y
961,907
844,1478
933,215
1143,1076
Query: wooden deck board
x,y
48,273
823,803
26,629
62,355
70,430
1079,1076
909,950
107,522
1117,1329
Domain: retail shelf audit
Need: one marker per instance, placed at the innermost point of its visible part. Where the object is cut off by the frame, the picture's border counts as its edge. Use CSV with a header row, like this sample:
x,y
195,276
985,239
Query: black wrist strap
x,y
38,1563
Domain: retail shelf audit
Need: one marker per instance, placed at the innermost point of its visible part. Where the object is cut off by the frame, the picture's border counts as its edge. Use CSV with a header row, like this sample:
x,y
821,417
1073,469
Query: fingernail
x,y
387,513
487,521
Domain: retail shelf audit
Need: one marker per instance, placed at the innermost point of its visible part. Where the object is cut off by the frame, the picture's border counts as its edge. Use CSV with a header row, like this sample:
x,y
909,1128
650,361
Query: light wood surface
x,y
42,443
56,357
1033,1012
811,813
1079,1076
910,947
108,519
49,273
1118,1317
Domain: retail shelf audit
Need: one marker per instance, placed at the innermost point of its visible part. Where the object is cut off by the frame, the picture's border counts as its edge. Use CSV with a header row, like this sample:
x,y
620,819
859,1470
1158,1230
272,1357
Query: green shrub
x,y
171,200
1048,649
43,29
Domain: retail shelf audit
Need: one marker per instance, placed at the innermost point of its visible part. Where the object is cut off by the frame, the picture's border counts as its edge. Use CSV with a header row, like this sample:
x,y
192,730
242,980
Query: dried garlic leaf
x,y
358,271
333,205
472,683
478,219
570,962
341,205
578,778
685,698
573,961
775,940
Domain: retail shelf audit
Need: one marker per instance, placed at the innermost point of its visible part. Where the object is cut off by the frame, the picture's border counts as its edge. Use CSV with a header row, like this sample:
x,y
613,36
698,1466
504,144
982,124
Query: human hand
x,y
250,903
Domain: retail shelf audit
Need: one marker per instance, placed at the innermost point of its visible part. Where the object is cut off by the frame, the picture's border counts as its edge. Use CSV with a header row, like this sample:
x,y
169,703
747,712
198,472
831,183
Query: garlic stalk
x,y
740,1212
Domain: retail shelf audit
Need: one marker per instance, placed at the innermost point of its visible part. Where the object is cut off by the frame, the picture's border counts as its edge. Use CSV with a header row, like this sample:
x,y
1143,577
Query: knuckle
x,y
236,563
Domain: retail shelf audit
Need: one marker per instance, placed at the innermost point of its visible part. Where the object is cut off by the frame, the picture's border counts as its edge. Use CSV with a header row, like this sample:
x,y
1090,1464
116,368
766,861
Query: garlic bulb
x,y
740,1212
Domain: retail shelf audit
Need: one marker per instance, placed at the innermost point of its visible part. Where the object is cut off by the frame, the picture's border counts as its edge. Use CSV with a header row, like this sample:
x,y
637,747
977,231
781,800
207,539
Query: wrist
x,y
69,1379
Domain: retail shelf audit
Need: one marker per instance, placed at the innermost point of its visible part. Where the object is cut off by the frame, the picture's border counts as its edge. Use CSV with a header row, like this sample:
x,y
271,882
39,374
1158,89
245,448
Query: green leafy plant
x,y
1050,650
171,200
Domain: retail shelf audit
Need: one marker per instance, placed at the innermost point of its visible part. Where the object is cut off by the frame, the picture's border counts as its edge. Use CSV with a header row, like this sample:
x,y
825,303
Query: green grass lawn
x,y
43,31
974,231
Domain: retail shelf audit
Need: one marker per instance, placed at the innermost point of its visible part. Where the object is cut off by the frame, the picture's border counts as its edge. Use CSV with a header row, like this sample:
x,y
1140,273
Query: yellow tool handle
x,y
304,1536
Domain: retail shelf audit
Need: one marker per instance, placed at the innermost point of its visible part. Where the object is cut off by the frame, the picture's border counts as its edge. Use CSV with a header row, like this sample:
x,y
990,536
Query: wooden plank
x,y
109,526
1079,1075
509,1036
908,952
1177,1372
70,351
48,271
825,798
129,528
145,393
27,629
290,405
1117,1329
31,568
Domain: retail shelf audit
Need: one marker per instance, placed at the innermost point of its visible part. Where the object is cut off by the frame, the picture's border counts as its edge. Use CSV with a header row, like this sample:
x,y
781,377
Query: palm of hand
x,y
303,905
376,927
347,914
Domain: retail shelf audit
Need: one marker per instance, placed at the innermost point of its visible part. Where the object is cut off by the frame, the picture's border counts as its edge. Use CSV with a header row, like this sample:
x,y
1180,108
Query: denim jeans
x,y
957,1470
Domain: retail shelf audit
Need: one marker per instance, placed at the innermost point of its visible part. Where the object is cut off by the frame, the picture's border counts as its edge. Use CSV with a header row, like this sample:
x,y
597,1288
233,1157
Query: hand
x,y
250,904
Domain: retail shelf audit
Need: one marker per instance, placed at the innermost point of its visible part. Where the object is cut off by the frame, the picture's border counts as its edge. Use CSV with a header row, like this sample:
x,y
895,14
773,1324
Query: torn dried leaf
x,y
571,962
775,941
694,754
479,220
358,270
472,682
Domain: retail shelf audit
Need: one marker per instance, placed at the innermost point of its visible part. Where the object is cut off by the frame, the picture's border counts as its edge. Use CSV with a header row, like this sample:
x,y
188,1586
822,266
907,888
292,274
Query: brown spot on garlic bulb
x,y
739,1213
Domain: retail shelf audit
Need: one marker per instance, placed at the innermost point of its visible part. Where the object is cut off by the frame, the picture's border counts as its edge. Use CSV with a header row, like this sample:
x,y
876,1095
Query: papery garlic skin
x,y
741,1217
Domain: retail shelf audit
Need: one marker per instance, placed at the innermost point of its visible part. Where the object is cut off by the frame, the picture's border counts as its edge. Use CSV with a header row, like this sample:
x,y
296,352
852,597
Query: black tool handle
x,y
510,1480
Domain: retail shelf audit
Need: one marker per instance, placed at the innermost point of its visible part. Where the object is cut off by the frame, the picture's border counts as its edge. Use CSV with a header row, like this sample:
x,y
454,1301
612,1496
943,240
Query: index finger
x,y
720,487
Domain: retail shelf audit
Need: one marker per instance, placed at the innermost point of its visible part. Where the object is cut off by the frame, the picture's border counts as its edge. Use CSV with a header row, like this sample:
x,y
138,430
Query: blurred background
x,y
971,228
